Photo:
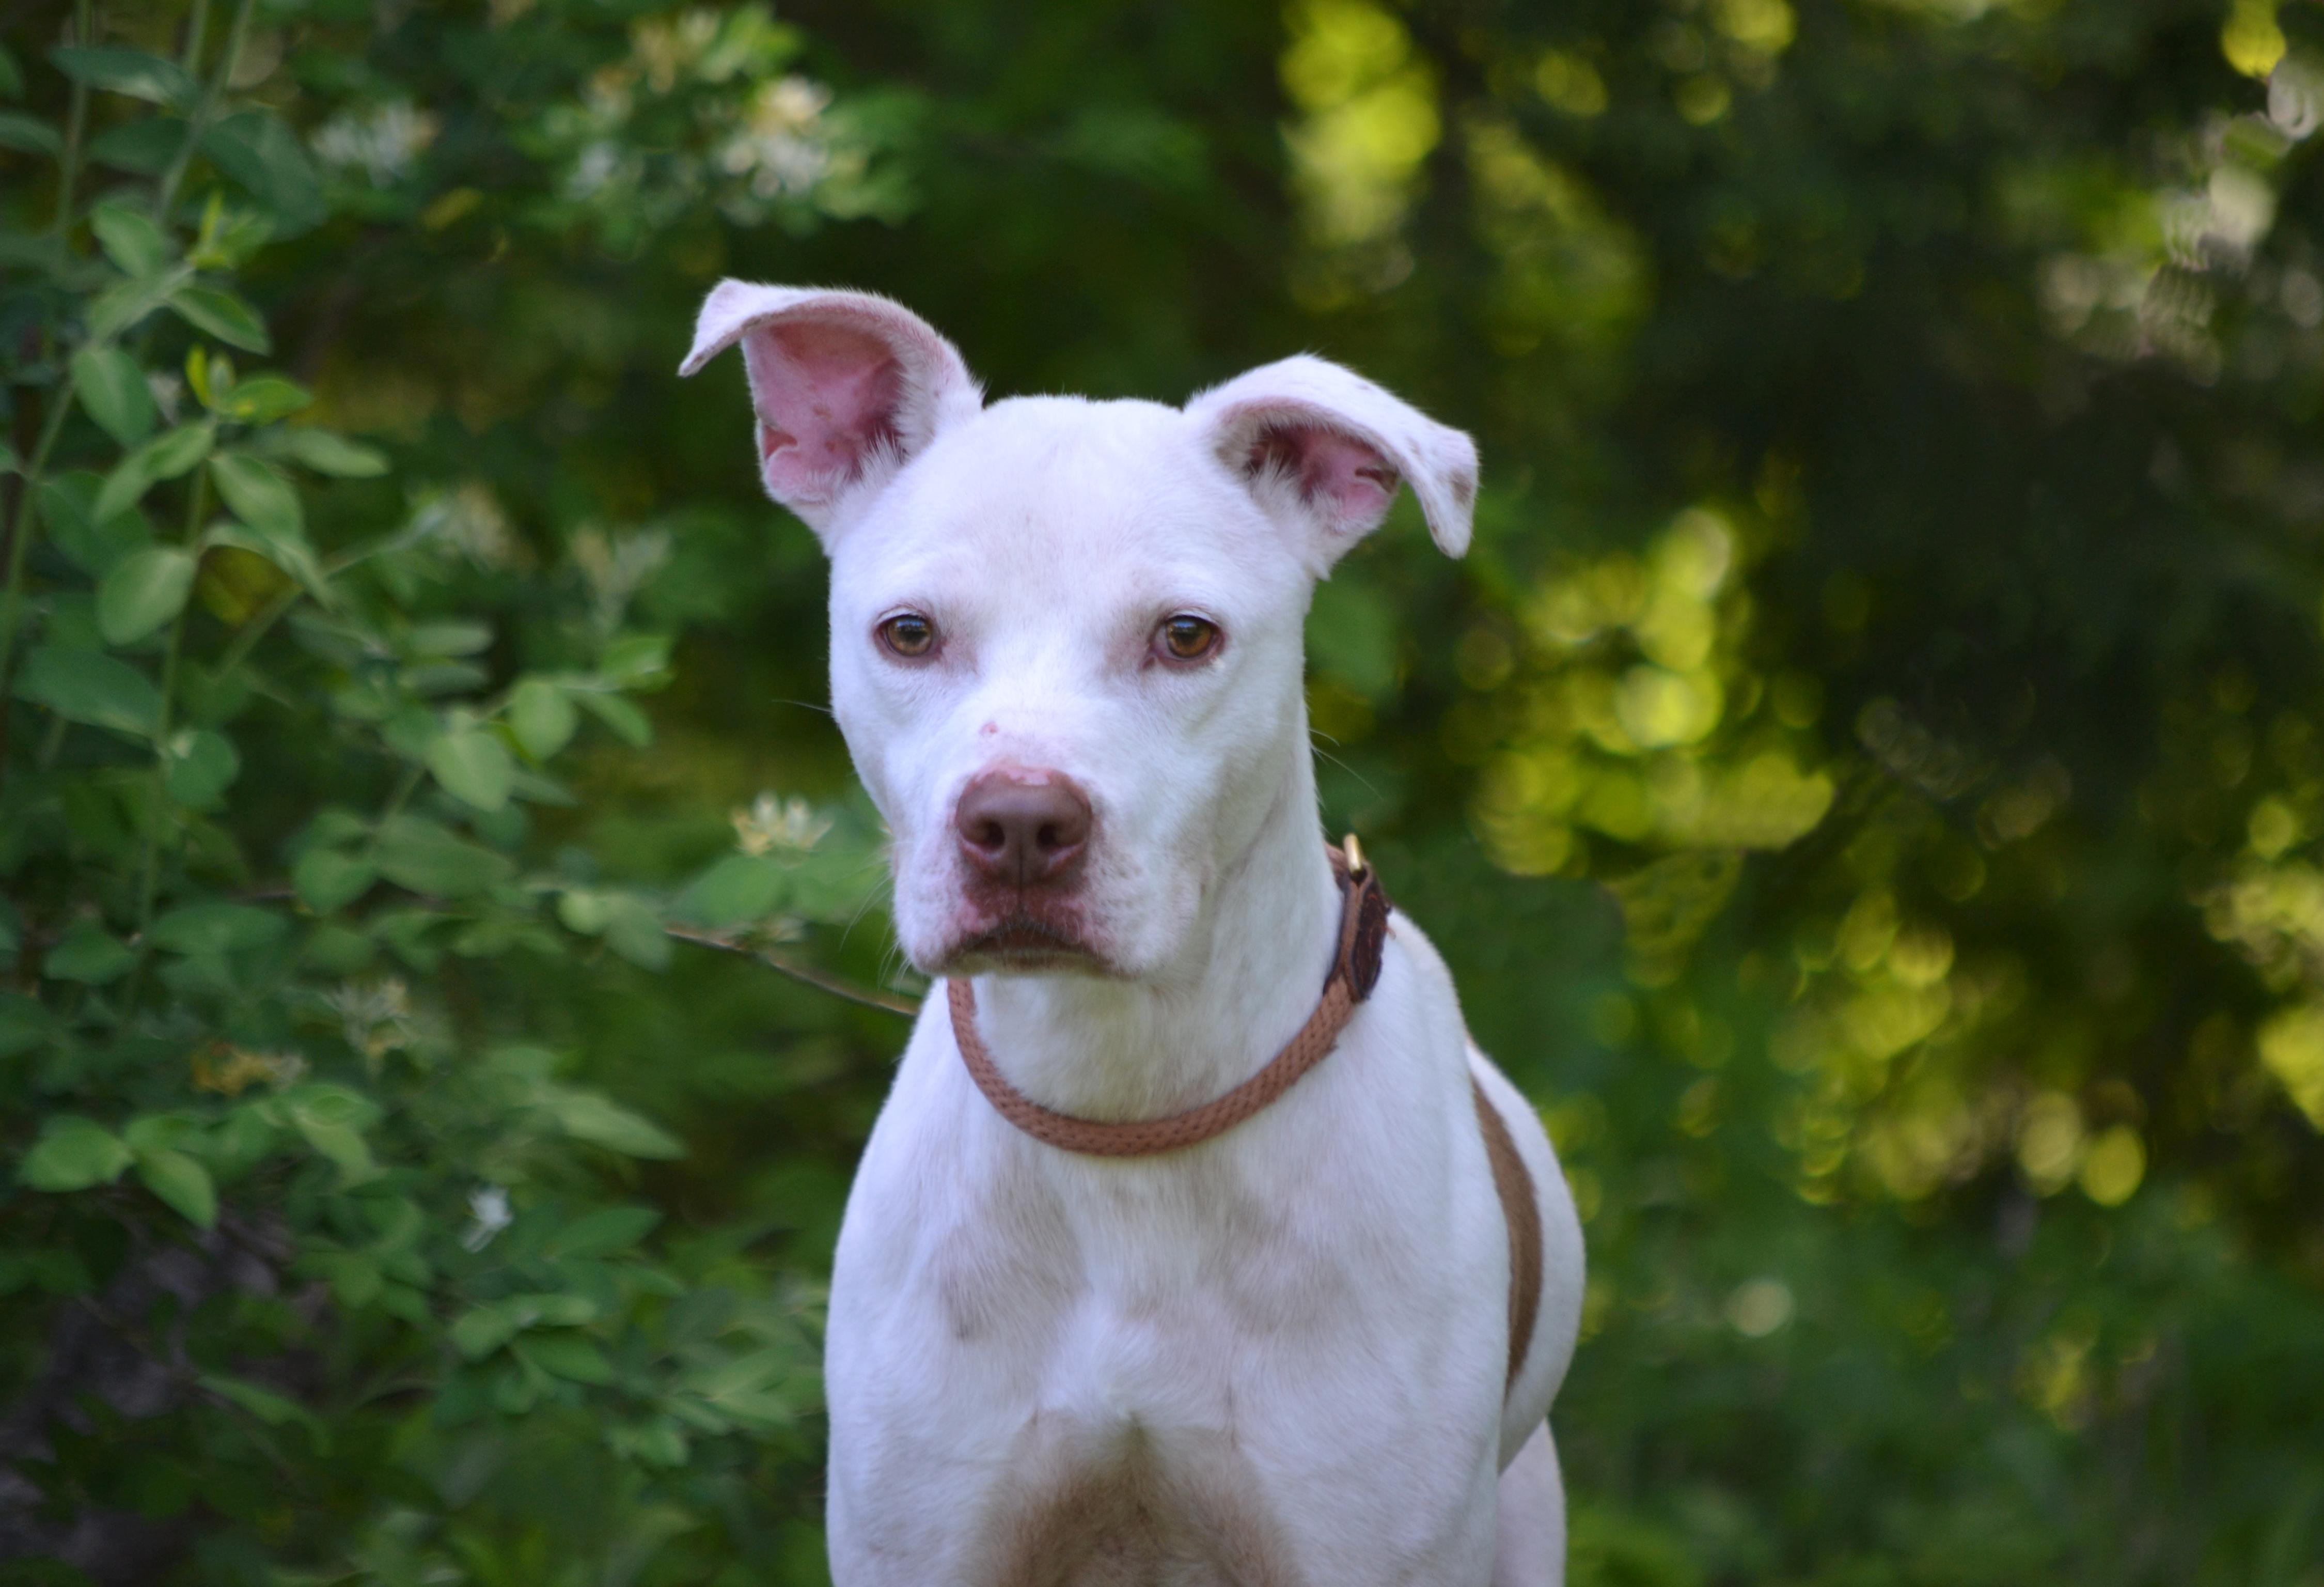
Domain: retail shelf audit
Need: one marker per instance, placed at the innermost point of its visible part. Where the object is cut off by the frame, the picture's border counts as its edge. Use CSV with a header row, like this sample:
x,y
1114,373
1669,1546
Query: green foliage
x,y
290,875
1864,778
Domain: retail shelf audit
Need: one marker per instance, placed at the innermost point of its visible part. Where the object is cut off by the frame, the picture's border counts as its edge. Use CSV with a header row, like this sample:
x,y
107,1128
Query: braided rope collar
x,y
1355,968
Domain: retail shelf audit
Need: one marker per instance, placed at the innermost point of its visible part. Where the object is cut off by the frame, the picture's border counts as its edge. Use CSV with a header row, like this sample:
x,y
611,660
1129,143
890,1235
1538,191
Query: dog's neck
x,y
1143,1049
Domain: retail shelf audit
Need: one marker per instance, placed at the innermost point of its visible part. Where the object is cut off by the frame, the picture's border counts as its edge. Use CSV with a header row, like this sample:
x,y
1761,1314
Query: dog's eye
x,y
1187,638
909,634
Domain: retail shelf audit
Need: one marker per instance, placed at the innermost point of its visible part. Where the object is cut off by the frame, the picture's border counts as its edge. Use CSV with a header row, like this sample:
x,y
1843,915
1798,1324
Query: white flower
x,y
384,141
377,1019
768,824
779,146
617,567
489,1204
470,520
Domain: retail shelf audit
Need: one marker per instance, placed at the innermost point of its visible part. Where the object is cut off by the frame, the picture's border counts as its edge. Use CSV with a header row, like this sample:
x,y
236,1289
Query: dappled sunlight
x,y
1570,275
1636,719
2160,270
1369,117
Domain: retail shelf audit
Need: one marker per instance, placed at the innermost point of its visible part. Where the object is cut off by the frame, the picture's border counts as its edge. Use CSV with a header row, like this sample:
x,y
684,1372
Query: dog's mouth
x,y
1023,944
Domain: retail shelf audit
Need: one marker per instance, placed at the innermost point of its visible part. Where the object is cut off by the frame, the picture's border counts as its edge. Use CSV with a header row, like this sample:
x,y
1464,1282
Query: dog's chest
x,y
1138,1271
1116,1315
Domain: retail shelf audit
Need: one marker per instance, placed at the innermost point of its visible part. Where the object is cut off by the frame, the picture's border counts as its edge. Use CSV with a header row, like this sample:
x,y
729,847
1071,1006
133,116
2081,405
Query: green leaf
x,y
635,932
636,661
217,926
133,72
24,1024
456,638
601,1233
68,503
137,246
153,1131
91,687
542,717
72,1153
740,1374
228,236
222,315
422,856
265,398
473,767
291,554
267,1406
30,134
660,1442
182,1183
327,880
583,911
119,308
333,455
87,954
558,1310
479,1333
12,76
112,388
202,764
322,1102
571,1356
165,456
339,1144
145,590
586,1116
629,723
738,887
257,494
355,1280
431,679
257,150
144,146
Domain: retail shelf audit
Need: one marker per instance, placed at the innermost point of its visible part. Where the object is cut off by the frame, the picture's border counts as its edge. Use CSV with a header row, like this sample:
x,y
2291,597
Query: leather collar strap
x,y
1355,968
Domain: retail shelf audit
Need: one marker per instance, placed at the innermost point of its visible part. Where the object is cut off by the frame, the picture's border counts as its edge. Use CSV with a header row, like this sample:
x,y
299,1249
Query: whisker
x,y
1351,771
862,906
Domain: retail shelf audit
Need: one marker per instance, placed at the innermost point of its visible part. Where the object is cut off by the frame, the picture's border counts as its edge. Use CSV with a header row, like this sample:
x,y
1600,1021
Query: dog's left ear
x,y
1323,449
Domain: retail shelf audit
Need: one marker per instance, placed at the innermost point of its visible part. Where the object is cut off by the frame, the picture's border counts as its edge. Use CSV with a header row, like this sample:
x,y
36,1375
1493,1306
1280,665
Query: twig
x,y
198,122
76,122
19,539
254,630
158,805
806,975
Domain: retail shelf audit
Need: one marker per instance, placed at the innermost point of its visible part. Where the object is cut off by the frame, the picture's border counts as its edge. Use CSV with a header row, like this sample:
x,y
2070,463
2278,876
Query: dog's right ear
x,y
847,386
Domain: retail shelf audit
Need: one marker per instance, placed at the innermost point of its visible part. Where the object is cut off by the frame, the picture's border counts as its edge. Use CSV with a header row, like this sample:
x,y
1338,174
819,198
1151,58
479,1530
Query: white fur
x,y
1275,1358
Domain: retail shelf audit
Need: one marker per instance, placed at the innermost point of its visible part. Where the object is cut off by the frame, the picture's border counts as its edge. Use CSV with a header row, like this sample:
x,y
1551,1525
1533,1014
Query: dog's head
x,y
1065,635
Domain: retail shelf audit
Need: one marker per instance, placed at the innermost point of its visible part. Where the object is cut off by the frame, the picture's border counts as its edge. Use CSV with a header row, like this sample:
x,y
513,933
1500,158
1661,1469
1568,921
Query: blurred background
x,y
1867,777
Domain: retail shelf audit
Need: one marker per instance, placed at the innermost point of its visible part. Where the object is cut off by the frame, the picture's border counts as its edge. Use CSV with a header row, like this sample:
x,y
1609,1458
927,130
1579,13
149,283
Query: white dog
x,y
1106,1308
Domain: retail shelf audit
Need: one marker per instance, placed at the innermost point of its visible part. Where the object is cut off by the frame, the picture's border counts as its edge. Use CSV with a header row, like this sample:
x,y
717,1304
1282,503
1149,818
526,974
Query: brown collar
x,y
1355,968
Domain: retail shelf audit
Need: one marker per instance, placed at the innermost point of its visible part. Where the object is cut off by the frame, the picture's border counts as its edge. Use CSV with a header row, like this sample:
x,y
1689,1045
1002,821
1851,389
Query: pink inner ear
x,y
828,397
1350,484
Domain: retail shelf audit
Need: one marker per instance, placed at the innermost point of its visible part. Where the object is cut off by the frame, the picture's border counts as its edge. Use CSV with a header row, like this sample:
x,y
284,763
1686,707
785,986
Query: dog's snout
x,y
1023,827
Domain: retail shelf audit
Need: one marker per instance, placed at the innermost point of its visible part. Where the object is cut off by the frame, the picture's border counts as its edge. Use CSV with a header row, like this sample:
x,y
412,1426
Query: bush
x,y
331,1266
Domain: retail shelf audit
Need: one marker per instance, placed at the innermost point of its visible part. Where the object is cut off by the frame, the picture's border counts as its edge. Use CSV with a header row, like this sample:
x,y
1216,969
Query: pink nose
x,y
1021,827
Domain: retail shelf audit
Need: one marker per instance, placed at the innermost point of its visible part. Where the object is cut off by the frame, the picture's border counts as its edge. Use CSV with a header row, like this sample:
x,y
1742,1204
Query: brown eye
x,y
908,634
1185,638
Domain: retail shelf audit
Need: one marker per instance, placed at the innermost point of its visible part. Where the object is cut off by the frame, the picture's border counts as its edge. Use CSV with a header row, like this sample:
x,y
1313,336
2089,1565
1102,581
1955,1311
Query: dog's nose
x,y
1021,826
